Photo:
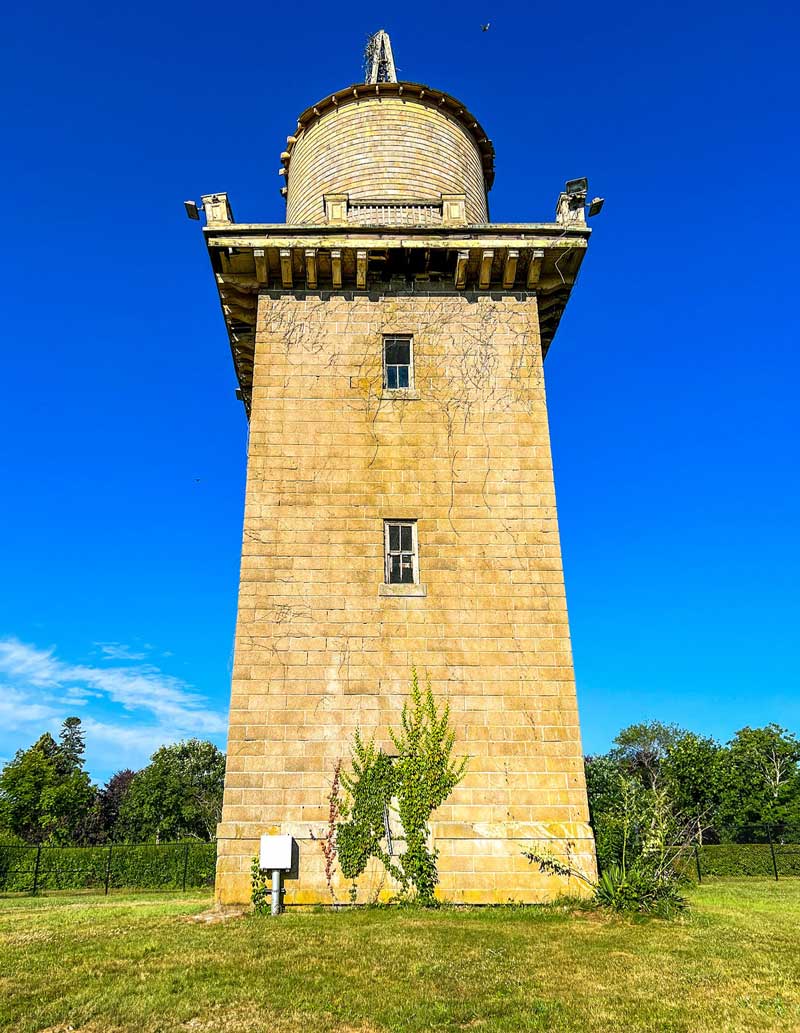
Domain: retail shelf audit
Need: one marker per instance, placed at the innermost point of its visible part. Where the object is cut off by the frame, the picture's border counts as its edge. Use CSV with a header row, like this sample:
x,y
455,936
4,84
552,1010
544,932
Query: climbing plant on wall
x,y
411,784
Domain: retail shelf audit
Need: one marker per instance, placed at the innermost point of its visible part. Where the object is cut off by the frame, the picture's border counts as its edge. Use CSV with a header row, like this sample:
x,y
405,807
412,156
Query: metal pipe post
x,y
276,891
36,868
772,851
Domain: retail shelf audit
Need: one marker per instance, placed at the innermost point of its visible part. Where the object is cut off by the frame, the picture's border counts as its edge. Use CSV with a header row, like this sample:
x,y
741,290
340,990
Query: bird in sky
x,y
485,28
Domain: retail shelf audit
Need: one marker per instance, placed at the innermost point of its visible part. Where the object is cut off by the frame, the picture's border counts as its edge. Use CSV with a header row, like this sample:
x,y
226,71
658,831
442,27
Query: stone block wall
x,y
319,651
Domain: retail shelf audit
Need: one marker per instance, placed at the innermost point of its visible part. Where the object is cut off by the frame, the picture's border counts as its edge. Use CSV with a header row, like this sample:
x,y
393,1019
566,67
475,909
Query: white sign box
x,y
276,852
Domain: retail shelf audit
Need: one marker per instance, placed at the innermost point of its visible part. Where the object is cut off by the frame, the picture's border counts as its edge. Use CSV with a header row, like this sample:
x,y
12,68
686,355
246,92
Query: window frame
x,y
398,337
388,553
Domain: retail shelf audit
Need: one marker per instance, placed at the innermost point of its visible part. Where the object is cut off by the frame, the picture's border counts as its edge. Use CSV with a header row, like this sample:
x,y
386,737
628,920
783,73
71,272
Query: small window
x,y
401,552
398,371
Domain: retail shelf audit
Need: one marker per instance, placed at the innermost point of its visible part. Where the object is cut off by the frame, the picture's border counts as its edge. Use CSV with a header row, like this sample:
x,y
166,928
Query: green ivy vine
x,y
260,890
412,784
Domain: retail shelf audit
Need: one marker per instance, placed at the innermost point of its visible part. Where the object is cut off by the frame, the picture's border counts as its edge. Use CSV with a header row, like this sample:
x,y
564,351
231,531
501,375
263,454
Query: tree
x,y
604,783
683,765
100,822
46,745
692,773
22,784
110,800
71,747
760,781
178,795
44,794
641,749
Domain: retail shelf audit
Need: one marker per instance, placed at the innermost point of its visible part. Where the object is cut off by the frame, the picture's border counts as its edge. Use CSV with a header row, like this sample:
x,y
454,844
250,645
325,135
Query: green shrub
x,y
740,859
646,843
127,866
260,888
639,890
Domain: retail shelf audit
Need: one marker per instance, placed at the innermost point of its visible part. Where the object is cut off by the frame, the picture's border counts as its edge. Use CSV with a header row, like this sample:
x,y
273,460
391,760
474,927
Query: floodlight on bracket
x,y
596,206
577,191
576,186
192,209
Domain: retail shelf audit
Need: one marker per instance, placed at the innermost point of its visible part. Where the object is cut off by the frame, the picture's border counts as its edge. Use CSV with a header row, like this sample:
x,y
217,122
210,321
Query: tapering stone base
x,y
476,866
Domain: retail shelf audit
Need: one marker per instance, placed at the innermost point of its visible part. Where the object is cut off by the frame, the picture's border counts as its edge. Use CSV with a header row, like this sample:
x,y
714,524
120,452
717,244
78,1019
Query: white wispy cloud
x,y
17,710
34,666
147,707
119,651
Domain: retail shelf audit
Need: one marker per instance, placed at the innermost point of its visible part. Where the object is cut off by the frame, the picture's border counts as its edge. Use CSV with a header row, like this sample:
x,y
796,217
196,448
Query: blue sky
x,y
672,381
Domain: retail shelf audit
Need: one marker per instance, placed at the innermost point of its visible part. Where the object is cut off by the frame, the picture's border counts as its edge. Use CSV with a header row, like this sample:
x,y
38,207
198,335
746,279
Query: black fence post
x,y
772,851
697,862
36,868
108,867
185,863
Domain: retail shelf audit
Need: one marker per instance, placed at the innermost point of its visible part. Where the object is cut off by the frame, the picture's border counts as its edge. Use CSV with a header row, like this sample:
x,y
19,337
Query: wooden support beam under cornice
x,y
286,267
238,313
311,269
361,270
535,267
462,260
262,268
486,269
336,269
510,268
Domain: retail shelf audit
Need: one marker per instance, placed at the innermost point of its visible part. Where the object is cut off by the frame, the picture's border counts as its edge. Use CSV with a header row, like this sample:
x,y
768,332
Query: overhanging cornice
x,y
250,259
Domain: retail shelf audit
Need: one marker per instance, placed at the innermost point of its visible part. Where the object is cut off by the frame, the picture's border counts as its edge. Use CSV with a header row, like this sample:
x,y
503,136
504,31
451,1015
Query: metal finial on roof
x,y
378,59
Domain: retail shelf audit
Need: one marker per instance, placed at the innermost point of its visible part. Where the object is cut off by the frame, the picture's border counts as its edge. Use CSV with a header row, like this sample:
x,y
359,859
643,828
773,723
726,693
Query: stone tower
x,y
388,340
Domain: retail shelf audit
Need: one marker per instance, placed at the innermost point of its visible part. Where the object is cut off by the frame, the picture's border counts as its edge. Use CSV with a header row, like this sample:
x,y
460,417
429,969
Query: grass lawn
x,y
136,964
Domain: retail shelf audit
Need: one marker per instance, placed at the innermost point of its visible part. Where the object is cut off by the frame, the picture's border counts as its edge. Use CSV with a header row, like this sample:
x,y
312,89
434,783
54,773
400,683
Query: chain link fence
x,y
756,850
31,869
765,850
